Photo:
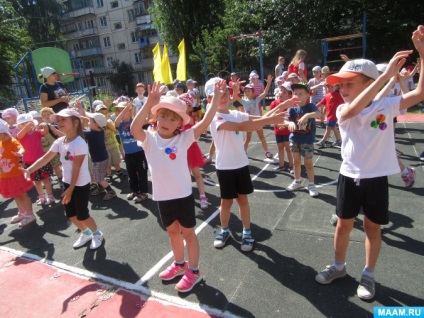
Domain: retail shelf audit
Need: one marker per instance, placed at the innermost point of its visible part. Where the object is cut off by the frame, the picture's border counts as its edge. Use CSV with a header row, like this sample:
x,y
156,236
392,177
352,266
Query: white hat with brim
x,y
4,127
210,84
47,71
173,104
287,86
99,107
25,118
99,118
10,112
34,114
65,113
354,68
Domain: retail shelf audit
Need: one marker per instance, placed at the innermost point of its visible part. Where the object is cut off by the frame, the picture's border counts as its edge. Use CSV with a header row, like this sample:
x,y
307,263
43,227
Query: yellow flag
x,y
166,67
181,66
157,64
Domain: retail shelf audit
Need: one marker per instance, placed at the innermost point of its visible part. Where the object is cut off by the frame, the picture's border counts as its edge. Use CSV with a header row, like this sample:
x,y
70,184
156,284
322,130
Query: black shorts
x,y
371,194
281,138
78,206
181,210
234,182
118,139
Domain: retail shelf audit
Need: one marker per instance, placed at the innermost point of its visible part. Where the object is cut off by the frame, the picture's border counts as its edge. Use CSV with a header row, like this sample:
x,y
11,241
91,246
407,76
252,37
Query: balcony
x,y
81,33
88,52
144,19
78,13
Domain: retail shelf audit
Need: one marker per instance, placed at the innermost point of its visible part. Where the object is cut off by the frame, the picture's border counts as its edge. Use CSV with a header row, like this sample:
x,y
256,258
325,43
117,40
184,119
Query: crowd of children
x,y
81,147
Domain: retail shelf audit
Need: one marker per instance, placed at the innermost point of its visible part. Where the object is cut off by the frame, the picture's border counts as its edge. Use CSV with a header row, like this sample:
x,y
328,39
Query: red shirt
x,y
284,131
295,69
331,102
231,89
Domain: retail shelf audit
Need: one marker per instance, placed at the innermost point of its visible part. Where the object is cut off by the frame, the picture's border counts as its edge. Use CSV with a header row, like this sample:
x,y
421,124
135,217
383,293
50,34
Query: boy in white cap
x,y
362,172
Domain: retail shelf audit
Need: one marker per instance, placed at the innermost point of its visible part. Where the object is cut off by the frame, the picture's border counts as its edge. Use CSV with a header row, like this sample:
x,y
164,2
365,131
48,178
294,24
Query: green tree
x,y
14,42
122,77
178,19
44,20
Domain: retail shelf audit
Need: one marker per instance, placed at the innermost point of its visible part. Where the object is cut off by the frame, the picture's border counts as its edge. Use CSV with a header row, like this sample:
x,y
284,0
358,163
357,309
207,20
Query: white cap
x,y
316,69
381,67
4,127
25,118
47,71
210,84
99,118
34,114
352,68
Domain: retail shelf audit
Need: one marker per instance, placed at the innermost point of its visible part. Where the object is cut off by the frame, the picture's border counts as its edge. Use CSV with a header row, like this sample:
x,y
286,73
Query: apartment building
x,y
99,31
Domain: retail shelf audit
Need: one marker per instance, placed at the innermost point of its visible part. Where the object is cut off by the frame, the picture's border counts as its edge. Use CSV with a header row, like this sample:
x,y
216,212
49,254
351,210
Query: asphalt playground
x,y
294,240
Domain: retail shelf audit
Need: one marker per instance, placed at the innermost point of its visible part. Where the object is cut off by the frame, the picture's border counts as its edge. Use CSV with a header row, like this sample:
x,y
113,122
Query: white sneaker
x,y
295,185
97,241
17,218
84,238
313,192
204,203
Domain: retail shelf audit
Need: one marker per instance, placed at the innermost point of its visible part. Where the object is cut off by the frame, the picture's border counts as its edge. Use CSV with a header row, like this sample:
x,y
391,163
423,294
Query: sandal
x,y
140,197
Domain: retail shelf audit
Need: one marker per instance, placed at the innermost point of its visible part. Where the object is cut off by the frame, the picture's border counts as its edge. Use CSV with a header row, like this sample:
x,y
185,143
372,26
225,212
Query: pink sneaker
x,y
188,281
173,271
18,218
409,178
27,220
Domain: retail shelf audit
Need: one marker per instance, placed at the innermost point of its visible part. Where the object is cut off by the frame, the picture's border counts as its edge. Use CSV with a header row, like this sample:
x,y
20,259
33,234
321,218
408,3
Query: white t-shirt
x,y
139,103
167,159
279,69
67,152
229,145
368,144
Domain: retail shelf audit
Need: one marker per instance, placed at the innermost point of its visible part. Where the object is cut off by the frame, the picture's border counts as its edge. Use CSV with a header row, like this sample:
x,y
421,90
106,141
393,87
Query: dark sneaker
x,y
329,274
366,288
221,239
337,144
320,144
422,156
279,168
121,174
247,243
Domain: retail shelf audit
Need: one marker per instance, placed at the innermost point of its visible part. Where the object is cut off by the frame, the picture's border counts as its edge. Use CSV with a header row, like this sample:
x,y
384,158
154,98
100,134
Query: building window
x,y
121,46
103,21
106,41
137,57
76,47
131,15
133,37
109,61
118,26
99,3
114,4
88,24
139,8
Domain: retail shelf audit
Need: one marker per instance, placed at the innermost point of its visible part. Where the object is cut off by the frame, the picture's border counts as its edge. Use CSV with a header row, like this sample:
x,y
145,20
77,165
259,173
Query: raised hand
x,y
418,39
396,63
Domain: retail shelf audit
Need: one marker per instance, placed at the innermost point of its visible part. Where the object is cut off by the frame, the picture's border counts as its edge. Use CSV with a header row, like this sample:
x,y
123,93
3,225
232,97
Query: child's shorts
x,y
306,150
78,206
114,156
281,138
14,186
43,173
331,124
99,170
234,182
181,210
371,194
118,139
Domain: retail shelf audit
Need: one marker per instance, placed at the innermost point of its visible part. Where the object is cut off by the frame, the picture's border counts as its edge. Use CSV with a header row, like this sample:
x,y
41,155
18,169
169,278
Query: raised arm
x,y
267,87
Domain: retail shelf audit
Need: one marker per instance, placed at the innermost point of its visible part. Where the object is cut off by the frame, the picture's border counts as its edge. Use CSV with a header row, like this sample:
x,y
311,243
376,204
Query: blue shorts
x,y
331,123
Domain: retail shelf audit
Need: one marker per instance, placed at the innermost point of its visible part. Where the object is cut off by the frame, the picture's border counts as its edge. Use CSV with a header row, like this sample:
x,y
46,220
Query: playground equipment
x,y
70,69
325,43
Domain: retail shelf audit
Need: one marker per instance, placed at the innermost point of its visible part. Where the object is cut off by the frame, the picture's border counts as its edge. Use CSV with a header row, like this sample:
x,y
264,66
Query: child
x,y
194,156
9,115
251,105
73,152
95,137
232,163
112,146
135,159
30,138
49,138
297,65
281,131
12,181
330,102
317,90
166,151
301,123
361,119
140,100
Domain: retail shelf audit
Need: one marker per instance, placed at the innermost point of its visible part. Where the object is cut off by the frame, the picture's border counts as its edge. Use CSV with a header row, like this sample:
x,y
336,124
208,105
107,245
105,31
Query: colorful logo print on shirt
x,y
171,152
379,122
69,156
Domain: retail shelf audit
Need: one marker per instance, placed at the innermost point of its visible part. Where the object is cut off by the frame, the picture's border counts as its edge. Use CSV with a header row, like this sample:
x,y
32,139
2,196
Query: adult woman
x,y
52,93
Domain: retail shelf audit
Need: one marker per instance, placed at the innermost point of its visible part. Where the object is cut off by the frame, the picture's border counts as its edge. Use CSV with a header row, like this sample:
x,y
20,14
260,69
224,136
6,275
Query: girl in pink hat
x,y
166,152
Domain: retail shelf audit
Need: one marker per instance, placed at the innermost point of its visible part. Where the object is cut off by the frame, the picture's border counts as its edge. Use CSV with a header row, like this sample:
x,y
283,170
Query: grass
x,y
417,109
